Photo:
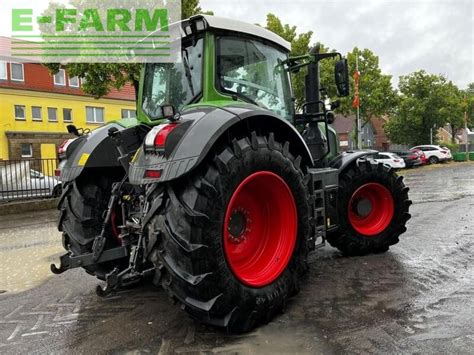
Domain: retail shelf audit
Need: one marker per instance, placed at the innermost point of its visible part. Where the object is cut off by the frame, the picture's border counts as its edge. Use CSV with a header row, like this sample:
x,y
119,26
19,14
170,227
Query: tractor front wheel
x,y
232,238
373,209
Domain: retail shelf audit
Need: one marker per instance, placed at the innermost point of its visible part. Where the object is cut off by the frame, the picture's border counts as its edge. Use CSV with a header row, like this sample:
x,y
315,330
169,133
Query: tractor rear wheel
x,y
373,209
232,238
82,207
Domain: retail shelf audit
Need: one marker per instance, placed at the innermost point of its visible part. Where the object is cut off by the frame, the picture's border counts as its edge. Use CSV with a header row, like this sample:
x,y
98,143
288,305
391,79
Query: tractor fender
x,y
95,150
346,159
201,129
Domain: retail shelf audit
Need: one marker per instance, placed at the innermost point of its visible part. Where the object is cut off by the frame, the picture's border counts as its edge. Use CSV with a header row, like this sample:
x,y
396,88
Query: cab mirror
x,y
341,72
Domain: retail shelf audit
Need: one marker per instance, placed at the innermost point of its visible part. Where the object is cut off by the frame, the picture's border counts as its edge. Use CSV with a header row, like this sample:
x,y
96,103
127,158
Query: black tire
x,y
347,239
190,254
433,159
82,208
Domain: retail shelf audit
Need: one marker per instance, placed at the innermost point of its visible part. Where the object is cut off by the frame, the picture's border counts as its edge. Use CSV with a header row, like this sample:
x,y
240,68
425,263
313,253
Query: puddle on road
x,y
25,255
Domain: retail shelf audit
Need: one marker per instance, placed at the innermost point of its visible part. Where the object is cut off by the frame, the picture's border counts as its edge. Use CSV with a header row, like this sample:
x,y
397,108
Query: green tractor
x,y
219,189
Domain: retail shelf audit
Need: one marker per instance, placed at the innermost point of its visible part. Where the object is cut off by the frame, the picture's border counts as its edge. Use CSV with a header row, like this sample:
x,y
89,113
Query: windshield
x,y
254,72
176,84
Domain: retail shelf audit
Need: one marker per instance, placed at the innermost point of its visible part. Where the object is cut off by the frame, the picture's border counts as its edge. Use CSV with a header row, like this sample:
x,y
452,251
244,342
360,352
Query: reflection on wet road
x,y
28,244
419,297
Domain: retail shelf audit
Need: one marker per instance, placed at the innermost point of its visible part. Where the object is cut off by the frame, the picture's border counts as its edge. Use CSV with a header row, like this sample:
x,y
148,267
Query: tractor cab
x,y
222,60
226,62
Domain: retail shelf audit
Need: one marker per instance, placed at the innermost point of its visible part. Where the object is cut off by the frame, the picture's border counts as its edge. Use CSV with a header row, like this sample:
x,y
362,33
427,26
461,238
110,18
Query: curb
x,y
27,206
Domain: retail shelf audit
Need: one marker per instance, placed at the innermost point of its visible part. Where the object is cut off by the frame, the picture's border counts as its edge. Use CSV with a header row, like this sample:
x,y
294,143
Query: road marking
x,y
34,333
35,313
9,315
38,322
15,332
61,305
39,306
59,324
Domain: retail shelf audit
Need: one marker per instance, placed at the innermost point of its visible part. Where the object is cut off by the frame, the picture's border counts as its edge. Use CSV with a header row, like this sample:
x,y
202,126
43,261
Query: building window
x,y
20,112
60,78
52,114
3,70
74,82
94,114
26,150
17,72
67,114
129,113
36,113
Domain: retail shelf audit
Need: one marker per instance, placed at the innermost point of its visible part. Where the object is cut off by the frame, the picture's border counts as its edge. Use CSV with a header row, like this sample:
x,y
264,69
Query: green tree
x,y
468,97
454,109
376,93
427,102
192,7
100,78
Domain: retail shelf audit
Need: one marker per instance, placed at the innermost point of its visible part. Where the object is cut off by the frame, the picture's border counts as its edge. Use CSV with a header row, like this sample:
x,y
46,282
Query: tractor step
x,y
323,186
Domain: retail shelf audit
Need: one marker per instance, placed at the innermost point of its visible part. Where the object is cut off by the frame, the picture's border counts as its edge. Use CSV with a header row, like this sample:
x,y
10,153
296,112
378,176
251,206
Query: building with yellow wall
x,y
36,107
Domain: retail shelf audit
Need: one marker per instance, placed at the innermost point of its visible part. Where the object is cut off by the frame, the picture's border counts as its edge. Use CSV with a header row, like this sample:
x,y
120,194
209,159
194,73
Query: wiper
x,y
188,72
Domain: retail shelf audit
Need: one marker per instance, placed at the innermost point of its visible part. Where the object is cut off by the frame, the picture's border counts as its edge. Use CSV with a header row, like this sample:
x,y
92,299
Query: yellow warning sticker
x,y
83,160
135,156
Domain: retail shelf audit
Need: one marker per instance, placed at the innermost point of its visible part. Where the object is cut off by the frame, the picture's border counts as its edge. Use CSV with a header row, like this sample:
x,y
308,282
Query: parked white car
x,y
390,159
35,184
434,153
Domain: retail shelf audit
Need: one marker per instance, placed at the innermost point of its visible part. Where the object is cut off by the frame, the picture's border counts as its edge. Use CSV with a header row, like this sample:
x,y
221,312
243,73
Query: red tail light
x,y
62,147
444,152
160,138
153,174
156,138
397,160
57,172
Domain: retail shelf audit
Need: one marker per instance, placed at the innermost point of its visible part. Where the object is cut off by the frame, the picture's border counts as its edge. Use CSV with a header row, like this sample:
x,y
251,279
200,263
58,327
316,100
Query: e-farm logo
x,y
97,31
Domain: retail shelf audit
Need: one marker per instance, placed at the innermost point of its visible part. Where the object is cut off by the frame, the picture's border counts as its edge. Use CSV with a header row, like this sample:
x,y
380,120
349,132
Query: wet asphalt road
x,y
419,297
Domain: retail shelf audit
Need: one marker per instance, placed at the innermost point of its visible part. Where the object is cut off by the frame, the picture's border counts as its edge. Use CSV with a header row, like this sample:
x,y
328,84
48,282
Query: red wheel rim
x,y
260,229
371,209
114,223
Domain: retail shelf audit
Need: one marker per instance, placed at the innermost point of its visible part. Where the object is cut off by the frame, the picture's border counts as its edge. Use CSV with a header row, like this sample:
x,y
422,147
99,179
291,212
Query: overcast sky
x,y
406,35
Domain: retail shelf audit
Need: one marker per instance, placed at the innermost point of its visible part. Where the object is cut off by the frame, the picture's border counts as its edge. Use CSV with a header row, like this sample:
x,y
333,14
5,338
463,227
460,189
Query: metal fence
x,y
28,179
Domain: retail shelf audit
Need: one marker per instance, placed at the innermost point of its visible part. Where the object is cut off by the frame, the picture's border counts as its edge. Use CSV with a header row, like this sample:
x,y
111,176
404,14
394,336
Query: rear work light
x,y
156,138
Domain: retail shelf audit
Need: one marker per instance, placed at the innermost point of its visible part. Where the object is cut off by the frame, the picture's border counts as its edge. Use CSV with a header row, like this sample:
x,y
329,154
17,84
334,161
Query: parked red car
x,y
421,154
